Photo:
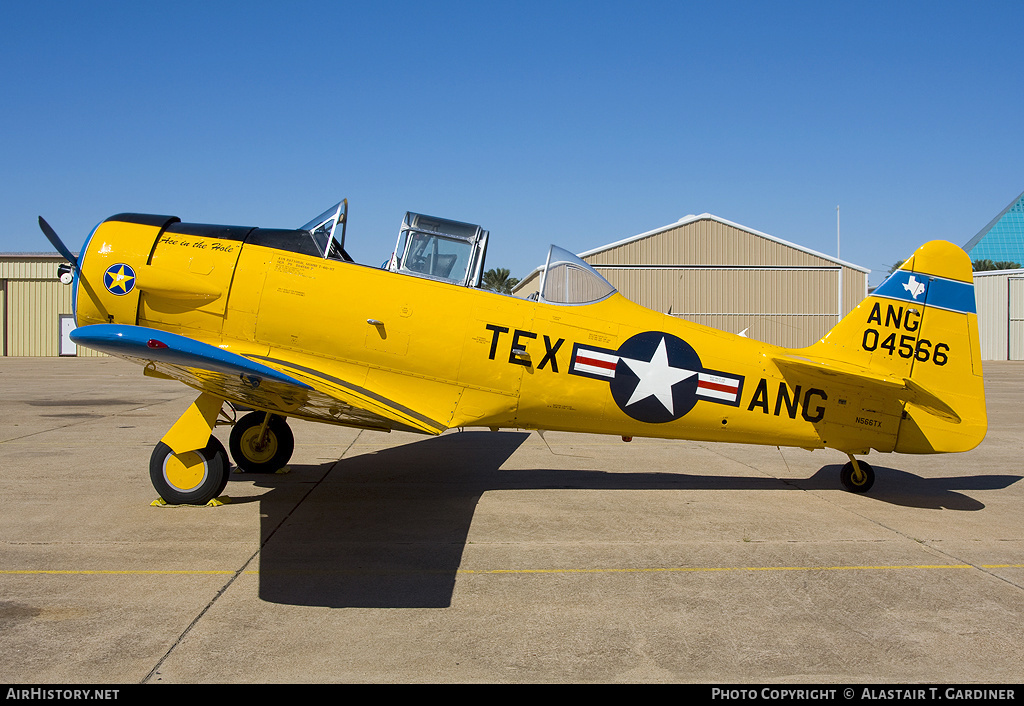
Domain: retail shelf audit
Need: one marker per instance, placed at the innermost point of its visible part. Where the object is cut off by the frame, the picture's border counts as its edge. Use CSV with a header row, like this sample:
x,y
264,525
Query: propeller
x,y
55,241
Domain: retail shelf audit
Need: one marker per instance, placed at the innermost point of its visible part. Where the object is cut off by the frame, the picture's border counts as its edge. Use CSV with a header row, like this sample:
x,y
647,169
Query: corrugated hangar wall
x,y
32,301
717,273
1000,300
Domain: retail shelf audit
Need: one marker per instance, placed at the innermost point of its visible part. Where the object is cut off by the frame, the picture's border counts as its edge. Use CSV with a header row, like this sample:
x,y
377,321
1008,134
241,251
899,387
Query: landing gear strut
x,y
197,472
857,476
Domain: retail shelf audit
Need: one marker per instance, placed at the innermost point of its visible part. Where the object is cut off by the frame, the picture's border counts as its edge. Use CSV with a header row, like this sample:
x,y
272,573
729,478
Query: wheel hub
x,y
257,449
185,471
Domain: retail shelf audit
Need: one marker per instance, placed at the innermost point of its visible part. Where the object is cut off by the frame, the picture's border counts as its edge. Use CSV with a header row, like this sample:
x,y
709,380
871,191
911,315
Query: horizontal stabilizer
x,y
929,402
904,389
839,369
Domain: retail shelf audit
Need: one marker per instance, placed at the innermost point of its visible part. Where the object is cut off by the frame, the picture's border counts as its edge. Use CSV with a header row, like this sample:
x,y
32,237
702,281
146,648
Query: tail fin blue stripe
x,y
952,295
939,292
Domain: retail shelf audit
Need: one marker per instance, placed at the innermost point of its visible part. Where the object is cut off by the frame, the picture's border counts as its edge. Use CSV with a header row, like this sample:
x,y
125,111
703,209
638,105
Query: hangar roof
x,y
31,256
998,273
710,217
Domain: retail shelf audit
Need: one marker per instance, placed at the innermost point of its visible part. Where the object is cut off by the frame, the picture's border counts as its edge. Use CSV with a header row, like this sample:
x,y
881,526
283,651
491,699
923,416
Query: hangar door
x,y
1015,287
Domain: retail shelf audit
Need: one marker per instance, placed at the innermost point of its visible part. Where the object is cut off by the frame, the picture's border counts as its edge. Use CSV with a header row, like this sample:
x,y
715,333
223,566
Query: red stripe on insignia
x,y
606,364
717,386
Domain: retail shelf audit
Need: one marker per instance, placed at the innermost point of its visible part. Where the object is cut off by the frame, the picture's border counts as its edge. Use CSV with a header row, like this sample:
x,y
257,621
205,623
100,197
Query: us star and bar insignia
x,y
656,377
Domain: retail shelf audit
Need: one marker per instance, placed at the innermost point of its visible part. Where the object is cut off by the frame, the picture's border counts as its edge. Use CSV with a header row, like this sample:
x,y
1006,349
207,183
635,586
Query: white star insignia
x,y
656,377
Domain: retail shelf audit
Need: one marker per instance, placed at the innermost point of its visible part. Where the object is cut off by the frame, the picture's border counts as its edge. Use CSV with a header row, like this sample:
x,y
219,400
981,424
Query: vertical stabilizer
x,y
921,327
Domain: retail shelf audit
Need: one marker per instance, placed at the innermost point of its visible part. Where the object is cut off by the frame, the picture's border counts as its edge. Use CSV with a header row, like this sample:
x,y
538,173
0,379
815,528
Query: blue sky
x,y
575,123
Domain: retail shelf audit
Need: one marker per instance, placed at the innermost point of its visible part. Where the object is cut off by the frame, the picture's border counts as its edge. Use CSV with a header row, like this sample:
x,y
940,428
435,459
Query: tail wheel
x,y
192,478
857,482
261,442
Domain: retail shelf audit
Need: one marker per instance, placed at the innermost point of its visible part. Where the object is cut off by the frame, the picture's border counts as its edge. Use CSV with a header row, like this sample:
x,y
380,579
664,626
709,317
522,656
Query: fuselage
x,y
462,356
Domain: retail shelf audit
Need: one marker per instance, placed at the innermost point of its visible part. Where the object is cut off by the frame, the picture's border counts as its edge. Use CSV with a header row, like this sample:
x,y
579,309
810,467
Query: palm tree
x,y
989,265
499,280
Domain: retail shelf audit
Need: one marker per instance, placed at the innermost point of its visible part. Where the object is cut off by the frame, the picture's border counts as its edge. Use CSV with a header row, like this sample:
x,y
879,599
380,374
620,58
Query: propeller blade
x,y
55,241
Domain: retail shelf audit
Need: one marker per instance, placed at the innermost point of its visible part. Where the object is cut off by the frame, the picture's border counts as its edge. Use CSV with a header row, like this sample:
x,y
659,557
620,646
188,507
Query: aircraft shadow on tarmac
x,y
388,529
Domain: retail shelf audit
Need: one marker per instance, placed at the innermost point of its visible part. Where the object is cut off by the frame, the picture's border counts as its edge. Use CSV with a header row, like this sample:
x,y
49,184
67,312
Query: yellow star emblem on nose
x,y
120,280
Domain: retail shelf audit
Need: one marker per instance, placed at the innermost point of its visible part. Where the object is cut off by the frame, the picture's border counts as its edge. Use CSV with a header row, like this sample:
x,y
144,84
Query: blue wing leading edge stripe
x,y
123,340
938,292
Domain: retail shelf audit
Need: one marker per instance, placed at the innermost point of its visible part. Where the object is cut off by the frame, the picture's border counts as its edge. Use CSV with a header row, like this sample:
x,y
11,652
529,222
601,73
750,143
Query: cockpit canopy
x,y
567,279
452,251
439,249
428,247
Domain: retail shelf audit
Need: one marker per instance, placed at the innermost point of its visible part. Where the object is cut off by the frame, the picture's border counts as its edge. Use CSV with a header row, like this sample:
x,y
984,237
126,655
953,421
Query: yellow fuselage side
x,y
448,351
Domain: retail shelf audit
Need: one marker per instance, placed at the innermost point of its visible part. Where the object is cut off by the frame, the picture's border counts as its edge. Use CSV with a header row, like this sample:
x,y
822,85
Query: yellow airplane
x,y
283,323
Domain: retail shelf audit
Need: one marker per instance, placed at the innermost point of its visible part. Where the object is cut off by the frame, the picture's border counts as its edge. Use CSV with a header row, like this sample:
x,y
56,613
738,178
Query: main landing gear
x,y
857,476
260,442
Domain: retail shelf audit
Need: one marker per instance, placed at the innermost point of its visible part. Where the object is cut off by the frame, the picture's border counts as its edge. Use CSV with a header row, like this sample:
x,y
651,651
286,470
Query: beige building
x,y
1000,300
710,271
35,307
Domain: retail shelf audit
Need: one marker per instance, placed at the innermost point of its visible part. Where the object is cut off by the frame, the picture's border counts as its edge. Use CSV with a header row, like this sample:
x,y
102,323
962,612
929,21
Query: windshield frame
x,y
324,229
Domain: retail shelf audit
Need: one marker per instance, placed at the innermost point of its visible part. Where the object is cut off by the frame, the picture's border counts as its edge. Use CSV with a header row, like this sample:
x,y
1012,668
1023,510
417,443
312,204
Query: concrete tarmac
x,y
495,556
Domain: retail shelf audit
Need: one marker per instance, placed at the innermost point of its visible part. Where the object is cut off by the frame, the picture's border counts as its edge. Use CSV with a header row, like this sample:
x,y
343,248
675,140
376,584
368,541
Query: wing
x,y
255,381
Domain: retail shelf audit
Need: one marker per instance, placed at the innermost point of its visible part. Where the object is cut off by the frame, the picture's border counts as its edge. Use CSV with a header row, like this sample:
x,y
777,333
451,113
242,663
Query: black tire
x,y
272,454
227,464
192,478
849,480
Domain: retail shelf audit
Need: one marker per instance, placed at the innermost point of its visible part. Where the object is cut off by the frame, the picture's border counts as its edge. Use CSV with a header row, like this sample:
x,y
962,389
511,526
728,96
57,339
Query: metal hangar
x,y
711,271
